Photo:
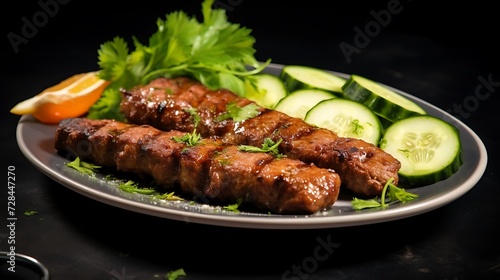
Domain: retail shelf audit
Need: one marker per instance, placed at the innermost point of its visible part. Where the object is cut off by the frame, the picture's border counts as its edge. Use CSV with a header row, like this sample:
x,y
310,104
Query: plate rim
x,y
269,222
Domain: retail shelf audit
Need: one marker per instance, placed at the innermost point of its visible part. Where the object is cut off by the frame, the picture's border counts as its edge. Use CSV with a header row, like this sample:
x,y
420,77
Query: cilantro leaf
x,y
390,194
214,51
269,146
190,139
108,106
112,59
239,113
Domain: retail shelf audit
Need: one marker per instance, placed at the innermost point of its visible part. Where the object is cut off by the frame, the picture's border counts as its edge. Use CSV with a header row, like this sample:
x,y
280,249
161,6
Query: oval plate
x,y
36,141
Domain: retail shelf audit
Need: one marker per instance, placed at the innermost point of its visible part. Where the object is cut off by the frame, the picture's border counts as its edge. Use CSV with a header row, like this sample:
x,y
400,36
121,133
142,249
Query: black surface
x,y
438,54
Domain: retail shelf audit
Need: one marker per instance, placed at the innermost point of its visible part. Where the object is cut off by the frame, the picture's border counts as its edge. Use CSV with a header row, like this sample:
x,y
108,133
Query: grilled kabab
x,y
164,103
208,170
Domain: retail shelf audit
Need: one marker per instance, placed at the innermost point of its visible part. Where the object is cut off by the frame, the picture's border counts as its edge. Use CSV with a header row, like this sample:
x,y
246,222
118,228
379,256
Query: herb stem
x,y
162,71
384,191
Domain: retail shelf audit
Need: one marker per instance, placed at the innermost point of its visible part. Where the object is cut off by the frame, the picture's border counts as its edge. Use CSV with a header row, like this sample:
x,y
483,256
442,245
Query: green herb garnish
x,y
234,207
357,128
132,187
190,139
175,274
215,52
83,167
194,114
269,146
239,113
30,213
168,196
390,194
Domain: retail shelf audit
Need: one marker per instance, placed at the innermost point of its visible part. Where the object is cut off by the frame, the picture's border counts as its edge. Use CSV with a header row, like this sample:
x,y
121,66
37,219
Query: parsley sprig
x,y
190,139
269,146
193,138
390,194
126,186
214,51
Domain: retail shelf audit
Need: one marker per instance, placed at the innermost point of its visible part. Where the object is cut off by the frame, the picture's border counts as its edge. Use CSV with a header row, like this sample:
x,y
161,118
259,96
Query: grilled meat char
x,y
210,170
364,168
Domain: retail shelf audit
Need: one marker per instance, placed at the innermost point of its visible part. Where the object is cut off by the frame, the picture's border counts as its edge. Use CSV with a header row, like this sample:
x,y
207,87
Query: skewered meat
x,y
209,170
364,168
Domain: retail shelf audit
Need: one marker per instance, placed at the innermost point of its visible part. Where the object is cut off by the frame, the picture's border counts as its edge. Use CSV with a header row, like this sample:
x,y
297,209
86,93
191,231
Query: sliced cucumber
x,y
297,103
298,77
347,118
428,148
382,100
265,89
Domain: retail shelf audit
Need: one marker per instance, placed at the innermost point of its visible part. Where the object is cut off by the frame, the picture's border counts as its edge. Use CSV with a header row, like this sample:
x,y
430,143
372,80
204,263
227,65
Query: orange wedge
x,y
70,98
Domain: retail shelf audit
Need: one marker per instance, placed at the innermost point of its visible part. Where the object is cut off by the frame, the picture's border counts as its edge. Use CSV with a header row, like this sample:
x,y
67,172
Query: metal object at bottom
x,y
17,264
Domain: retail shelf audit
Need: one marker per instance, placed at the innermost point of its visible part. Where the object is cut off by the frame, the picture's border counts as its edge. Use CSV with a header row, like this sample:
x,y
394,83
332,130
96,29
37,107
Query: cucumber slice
x,y
347,118
428,148
383,101
265,89
297,103
298,77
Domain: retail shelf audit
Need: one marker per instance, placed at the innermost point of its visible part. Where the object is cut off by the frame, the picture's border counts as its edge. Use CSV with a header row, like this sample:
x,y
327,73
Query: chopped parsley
x,y
357,128
190,139
133,187
175,274
29,213
83,167
234,207
194,114
269,146
126,186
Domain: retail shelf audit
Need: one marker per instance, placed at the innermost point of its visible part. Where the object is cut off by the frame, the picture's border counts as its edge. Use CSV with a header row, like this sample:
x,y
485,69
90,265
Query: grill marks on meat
x,y
364,168
210,170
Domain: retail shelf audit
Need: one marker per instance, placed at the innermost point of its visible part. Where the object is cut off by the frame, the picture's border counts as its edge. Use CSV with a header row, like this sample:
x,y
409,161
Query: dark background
x,y
436,53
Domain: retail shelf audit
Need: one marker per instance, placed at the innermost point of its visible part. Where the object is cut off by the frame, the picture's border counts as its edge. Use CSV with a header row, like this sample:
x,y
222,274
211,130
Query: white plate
x,y
36,142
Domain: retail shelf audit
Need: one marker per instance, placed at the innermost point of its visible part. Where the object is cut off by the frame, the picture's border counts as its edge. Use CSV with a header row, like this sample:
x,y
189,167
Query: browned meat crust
x,y
210,170
364,168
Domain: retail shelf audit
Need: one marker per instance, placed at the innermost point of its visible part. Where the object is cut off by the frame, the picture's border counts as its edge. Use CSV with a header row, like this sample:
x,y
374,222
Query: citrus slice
x,y
70,98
